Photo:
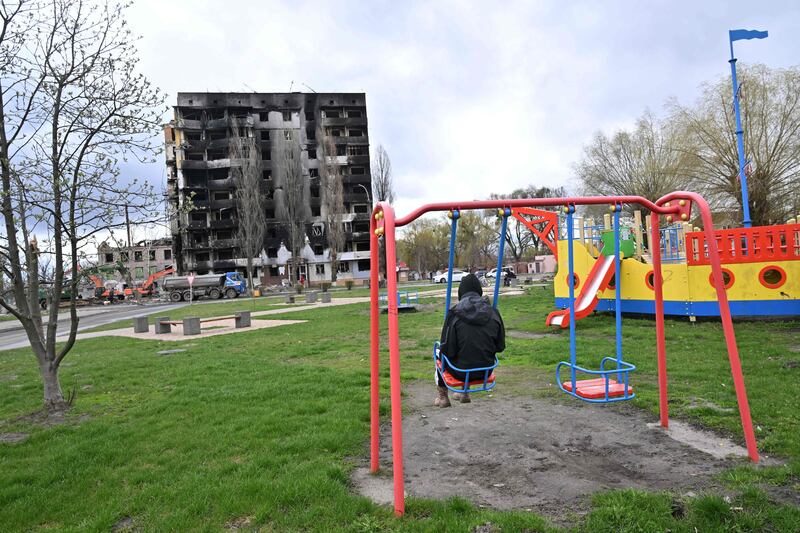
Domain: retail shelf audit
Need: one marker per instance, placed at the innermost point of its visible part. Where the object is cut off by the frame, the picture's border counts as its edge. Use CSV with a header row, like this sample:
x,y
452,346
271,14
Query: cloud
x,y
469,98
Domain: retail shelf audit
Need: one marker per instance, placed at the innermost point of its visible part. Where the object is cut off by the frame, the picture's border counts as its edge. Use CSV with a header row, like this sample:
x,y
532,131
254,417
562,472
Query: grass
x,y
263,427
7,318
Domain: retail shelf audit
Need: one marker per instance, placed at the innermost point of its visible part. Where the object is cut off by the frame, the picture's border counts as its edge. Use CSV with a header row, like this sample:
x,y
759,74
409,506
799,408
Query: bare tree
x,y
333,198
292,184
770,104
382,181
71,105
250,206
649,161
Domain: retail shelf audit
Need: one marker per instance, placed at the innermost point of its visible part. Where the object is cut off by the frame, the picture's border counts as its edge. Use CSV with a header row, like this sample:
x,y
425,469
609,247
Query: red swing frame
x,y
675,206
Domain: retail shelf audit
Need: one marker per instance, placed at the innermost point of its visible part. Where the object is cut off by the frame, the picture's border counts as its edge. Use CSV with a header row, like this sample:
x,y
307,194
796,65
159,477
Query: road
x,y
13,336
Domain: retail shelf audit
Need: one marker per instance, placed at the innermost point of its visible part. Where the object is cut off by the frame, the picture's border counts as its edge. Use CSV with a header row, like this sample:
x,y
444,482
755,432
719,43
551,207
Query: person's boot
x,y
442,400
462,397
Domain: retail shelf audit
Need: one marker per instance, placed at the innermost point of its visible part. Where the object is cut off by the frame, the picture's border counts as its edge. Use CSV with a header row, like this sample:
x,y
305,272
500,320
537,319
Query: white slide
x,y
587,299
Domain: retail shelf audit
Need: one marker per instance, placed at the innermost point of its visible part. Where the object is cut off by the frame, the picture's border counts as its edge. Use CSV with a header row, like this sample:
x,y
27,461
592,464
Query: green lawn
x,y
261,429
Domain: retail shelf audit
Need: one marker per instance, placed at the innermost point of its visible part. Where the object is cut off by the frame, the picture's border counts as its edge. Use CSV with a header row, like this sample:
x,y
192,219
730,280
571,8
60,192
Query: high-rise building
x,y
199,168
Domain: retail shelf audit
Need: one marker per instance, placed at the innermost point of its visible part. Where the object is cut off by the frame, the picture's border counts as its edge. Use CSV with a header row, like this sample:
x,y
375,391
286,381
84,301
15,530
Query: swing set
x,y
608,384
443,364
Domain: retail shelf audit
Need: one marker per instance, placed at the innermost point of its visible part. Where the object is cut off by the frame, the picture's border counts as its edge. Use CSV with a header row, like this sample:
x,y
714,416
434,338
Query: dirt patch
x,y
545,454
13,437
239,523
124,525
518,334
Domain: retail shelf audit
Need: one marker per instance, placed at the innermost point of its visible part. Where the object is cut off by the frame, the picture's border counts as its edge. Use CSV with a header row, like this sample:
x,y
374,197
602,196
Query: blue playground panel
x,y
405,300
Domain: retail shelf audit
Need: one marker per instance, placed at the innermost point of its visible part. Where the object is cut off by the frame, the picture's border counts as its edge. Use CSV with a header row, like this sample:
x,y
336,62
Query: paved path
x,y
13,336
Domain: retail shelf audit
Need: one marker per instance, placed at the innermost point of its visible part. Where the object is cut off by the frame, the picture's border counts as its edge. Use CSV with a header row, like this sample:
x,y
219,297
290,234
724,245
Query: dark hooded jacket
x,y
472,334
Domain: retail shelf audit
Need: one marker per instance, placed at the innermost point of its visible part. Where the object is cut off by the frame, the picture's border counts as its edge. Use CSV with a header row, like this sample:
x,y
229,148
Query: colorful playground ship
x,y
761,268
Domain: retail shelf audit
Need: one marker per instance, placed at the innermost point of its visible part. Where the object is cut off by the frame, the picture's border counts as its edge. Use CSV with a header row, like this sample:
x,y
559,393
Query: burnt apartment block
x,y
199,167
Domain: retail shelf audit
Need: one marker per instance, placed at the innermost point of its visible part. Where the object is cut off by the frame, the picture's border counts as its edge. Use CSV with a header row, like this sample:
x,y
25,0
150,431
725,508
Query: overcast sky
x,y
468,98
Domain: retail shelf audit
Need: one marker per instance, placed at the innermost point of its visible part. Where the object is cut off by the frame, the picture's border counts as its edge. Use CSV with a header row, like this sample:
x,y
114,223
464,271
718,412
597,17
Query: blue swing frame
x,y
441,362
623,369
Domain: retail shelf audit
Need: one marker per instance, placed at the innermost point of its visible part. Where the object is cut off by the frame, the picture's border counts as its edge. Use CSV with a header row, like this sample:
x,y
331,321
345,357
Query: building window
x,y
109,258
266,155
319,269
361,246
223,195
336,133
341,149
264,135
357,171
272,252
151,255
225,255
330,113
270,213
138,256
153,269
356,150
314,191
194,156
263,116
311,135
309,115
267,174
315,211
287,116
167,255
360,208
312,152
354,113
202,256
139,272
355,133
319,249
344,266
363,265
272,232
313,172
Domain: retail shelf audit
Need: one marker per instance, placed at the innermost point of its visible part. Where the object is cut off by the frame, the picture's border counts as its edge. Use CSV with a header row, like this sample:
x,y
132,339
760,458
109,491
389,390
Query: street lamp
x,y
737,35
366,192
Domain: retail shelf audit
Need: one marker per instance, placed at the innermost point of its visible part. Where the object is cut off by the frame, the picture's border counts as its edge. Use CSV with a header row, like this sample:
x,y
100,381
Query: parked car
x,y
442,278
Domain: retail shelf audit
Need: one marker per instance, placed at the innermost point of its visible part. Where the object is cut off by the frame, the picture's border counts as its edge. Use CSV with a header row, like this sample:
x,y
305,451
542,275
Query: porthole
x,y
727,278
650,280
576,280
772,276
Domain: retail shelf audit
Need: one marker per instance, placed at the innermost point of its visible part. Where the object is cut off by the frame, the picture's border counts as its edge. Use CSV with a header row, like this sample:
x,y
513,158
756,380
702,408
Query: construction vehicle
x,y
146,289
212,286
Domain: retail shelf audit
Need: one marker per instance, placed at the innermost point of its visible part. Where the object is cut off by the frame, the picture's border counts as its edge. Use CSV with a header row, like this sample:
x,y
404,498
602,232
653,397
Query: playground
x,y
263,429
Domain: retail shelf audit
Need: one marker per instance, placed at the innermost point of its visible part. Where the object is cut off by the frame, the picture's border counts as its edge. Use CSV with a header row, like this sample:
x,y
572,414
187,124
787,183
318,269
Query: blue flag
x,y
738,35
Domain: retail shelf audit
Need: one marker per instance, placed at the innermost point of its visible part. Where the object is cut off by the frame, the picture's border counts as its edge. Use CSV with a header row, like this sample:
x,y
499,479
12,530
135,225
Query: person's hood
x,y
474,309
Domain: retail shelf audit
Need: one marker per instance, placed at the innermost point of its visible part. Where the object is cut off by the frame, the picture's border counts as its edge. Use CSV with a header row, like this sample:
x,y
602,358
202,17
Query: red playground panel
x,y
595,389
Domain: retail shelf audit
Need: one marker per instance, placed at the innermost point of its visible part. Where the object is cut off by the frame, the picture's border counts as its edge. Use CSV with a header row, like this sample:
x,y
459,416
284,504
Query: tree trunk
x,y
53,397
250,274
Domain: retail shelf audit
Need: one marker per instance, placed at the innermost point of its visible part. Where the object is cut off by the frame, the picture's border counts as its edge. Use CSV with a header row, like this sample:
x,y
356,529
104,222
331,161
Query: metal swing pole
x,y
454,214
499,272
569,210
618,290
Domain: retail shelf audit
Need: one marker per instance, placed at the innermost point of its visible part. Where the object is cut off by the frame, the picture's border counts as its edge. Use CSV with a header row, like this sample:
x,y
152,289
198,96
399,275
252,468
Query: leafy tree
x,y
770,107
72,104
651,160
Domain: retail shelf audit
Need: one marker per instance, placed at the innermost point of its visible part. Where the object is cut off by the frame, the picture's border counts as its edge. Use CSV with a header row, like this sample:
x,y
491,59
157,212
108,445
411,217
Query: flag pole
x,y
734,35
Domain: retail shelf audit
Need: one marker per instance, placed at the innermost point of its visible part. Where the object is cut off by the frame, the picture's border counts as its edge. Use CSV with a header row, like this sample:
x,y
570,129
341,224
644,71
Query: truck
x,y
212,286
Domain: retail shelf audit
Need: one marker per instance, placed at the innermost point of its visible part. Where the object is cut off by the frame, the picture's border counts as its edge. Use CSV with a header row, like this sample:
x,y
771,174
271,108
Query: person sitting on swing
x,y
472,334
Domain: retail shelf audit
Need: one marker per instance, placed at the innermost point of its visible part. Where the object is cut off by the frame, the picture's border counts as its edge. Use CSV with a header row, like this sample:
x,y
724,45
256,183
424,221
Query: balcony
x,y
223,224
218,143
189,124
224,243
222,204
332,122
197,224
220,185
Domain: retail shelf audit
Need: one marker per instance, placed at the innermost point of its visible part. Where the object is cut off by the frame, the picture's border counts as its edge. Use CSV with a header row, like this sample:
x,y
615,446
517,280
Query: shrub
x,y
349,284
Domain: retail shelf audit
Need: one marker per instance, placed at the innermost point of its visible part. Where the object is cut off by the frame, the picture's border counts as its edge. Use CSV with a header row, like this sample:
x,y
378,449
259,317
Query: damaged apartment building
x,y
204,229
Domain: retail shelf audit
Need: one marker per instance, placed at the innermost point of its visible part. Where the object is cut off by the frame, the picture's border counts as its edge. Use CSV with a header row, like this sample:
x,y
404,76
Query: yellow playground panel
x,y
761,267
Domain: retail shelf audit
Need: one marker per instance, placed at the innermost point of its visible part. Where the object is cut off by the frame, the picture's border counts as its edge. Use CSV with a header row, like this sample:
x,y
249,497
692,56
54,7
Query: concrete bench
x,y
325,298
163,325
311,297
140,324
242,319
289,299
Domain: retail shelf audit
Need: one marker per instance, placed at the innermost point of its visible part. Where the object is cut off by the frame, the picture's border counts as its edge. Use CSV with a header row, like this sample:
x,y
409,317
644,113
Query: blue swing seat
x,y
484,383
602,389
